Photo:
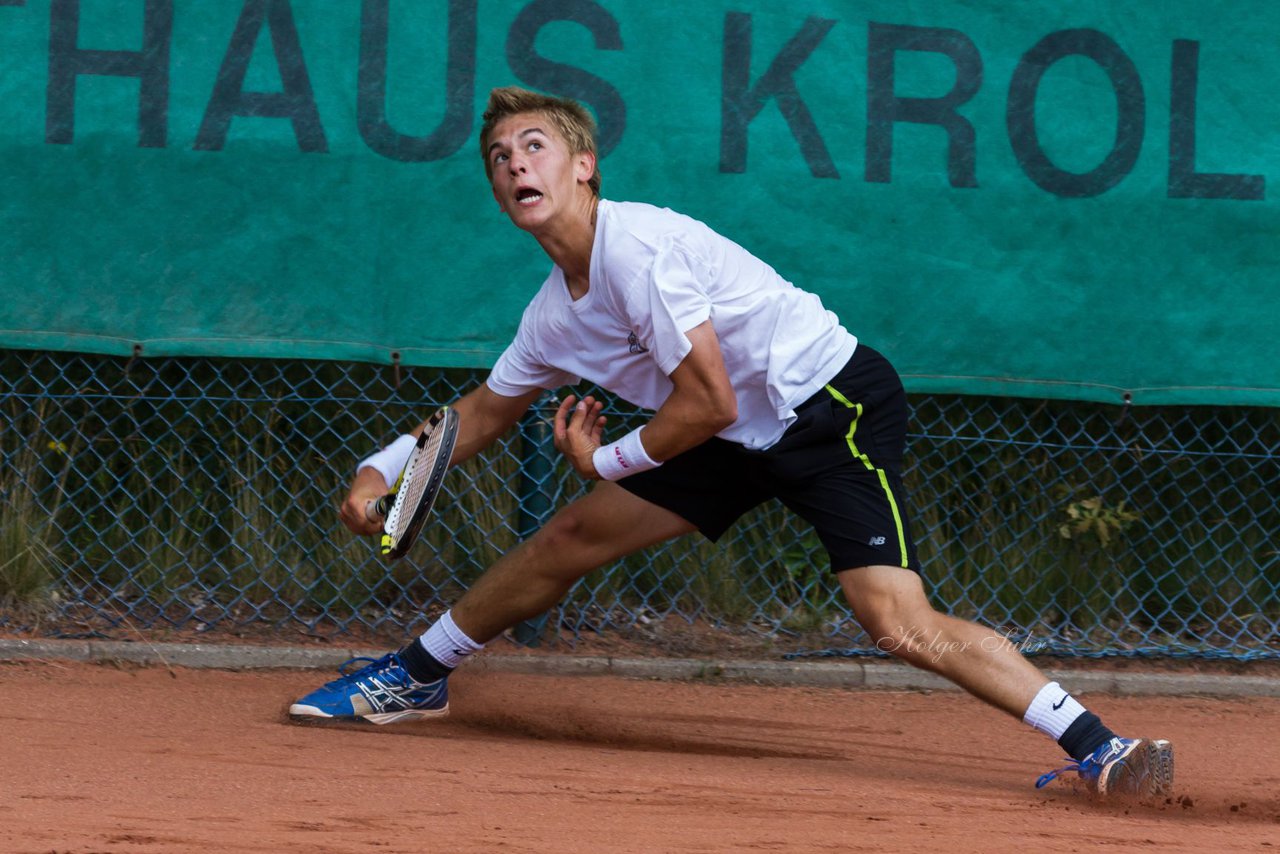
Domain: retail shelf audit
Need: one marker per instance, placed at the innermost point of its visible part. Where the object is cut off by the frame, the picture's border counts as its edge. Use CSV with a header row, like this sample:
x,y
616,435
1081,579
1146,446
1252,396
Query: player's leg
x,y
844,461
889,602
606,524
602,526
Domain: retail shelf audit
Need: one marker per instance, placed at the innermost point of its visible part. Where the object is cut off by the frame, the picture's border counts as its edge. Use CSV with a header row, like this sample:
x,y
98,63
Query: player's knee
x,y
890,605
902,629
564,531
566,534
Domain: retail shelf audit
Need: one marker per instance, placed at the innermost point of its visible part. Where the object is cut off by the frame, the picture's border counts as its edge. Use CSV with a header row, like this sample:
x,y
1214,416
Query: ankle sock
x,y
1061,717
440,649
420,663
1083,737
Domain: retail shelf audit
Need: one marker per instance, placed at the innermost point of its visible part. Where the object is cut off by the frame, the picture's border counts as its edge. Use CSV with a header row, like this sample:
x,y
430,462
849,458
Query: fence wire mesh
x,y
196,493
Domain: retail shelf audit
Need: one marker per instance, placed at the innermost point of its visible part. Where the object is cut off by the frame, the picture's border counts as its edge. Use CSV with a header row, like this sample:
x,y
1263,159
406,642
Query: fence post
x,y
537,463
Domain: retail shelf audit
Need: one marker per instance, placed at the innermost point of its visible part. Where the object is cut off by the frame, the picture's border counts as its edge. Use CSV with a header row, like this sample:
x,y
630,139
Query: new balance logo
x,y
876,541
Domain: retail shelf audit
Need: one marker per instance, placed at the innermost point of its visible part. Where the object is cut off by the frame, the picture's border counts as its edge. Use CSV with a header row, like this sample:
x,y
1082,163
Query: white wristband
x,y
391,459
625,456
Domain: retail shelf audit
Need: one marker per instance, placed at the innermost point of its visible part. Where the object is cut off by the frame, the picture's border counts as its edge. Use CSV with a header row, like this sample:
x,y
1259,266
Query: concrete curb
x,y
847,673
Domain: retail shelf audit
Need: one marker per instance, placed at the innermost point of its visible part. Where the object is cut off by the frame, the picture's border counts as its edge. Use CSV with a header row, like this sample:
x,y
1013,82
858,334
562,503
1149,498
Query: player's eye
x,y
499,157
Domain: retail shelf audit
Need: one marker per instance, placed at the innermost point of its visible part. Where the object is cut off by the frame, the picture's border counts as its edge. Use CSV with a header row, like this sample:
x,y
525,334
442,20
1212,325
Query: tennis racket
x,y
404,510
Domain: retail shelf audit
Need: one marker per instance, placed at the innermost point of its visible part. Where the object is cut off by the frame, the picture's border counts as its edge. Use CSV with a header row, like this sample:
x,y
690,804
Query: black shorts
x,y
839,467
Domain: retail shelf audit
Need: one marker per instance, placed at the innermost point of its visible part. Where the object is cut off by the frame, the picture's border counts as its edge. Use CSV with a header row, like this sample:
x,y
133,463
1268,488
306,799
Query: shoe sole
x,y
1144,771
312,716
1164,766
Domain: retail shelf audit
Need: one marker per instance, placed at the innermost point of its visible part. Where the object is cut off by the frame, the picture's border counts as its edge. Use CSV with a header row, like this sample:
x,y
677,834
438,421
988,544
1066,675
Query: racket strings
x,y
416,477
411,486
415,486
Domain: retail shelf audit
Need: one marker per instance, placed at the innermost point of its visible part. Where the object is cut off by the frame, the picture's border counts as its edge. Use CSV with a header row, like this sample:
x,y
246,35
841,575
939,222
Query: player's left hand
x,y
579,430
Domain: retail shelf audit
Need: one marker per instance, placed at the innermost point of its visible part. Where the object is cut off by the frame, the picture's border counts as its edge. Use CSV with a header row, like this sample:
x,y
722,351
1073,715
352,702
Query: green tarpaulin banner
x,y
1034,198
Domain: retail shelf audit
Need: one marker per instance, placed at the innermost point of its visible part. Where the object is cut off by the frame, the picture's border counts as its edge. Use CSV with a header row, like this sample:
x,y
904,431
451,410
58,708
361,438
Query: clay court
x,y
102,758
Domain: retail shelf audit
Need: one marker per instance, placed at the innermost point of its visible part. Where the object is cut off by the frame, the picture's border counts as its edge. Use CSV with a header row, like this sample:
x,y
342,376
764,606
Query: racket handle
x,y
377,508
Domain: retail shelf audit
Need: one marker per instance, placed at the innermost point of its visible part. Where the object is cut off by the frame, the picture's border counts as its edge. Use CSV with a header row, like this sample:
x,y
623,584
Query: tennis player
x,y
758,392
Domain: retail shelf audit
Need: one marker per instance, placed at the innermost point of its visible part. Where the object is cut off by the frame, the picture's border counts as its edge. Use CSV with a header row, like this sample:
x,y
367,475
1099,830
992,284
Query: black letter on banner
x,y
296,102
1184,181
460,79
884,107
565,80
150,65
741,102
1020,116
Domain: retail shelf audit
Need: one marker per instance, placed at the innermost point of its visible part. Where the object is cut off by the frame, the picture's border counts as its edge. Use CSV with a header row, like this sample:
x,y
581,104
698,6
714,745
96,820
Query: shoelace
x,y
1090,766
1045,779
374,665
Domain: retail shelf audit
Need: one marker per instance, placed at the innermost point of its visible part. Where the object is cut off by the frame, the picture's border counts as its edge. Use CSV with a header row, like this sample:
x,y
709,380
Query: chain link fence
x,y
193,493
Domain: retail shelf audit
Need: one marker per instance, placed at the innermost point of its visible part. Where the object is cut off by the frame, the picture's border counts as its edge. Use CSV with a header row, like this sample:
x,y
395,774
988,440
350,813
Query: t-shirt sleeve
x,y
519,369
672,301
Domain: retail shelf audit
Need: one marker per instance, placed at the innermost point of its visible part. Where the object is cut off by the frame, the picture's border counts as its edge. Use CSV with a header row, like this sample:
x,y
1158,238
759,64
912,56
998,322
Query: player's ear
x,y
584,165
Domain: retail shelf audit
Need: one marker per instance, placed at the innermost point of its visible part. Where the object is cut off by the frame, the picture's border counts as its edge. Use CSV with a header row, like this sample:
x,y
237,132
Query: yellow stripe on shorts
x,y
880,473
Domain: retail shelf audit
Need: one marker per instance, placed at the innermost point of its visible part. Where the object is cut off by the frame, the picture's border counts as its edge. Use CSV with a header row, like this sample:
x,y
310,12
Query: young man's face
x,y
535,175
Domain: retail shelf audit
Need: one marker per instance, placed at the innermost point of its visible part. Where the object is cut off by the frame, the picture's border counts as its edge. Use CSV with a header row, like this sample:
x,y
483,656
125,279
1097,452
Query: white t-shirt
x,y
655,274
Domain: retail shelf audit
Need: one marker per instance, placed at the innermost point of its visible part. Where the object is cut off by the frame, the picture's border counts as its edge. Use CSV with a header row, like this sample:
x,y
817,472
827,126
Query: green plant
x,y
32,491
1092,518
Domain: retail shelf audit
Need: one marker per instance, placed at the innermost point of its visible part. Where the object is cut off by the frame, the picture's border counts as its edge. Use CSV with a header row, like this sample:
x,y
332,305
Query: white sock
x,y
447,643
1052,711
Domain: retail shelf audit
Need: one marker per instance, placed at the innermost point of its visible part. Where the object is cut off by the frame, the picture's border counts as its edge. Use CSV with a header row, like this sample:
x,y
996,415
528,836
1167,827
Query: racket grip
x,y
377,508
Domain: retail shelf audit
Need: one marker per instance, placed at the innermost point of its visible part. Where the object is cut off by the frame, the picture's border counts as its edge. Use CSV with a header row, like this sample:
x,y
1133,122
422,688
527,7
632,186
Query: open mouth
x,y
528,196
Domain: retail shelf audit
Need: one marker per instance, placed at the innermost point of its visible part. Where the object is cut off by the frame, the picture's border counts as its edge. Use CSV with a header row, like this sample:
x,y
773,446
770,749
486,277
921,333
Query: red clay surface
x,y
96,758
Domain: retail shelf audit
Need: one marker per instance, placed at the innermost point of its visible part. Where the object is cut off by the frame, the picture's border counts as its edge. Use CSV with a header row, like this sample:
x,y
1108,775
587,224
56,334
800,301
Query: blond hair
x,y
570,119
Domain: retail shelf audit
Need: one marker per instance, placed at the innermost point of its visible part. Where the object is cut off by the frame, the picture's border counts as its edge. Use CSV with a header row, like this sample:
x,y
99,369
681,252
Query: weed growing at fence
x,y
32,481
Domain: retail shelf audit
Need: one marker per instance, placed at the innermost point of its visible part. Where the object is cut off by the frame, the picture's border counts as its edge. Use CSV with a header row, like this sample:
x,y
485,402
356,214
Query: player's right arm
x,y
483,416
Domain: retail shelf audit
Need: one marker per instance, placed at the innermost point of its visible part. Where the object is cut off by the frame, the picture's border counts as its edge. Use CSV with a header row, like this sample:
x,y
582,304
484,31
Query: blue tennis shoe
x,y
380,692
1125,767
